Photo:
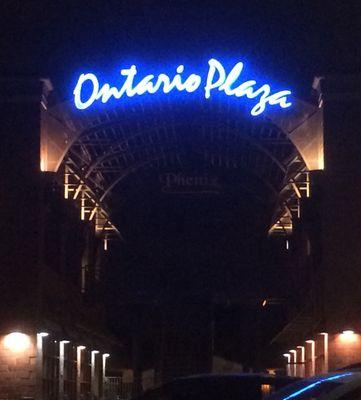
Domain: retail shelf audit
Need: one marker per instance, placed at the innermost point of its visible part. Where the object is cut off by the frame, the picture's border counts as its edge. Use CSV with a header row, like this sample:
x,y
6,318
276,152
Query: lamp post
x,y
288,366
312,357
302,361
40,363
94,379
325,350
62,344
104,359
79,349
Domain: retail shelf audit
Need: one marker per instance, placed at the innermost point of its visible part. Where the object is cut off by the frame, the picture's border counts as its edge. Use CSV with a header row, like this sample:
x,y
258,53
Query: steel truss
x,y
91,209
108,148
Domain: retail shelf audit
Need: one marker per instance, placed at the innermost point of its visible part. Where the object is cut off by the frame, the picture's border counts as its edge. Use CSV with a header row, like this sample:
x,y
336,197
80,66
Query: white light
x,y
302,348
95,351
348,332
217,80
43,334
64,341
294,352
106,355
81,347
17,342
348,336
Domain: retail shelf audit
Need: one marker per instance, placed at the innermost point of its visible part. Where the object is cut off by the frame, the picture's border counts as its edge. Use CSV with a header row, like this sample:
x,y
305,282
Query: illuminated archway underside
x,y
100,149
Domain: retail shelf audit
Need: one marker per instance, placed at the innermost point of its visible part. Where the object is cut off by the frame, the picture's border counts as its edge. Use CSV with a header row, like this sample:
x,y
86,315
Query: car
x,y
339,385
237,386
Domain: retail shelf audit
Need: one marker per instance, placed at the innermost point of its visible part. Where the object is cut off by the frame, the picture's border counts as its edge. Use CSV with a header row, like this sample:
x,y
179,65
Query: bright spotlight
x,y
17,341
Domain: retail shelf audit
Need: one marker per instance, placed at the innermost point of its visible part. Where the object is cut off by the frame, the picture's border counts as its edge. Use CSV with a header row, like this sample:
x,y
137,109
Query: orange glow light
x,y
348,336
265,389
17,342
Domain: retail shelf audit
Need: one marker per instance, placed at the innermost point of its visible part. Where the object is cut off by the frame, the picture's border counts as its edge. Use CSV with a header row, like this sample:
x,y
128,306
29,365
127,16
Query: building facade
x,y
54,343
56,231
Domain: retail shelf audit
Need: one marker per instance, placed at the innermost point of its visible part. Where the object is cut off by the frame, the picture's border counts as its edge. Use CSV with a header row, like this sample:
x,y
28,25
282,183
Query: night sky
x,y
291,41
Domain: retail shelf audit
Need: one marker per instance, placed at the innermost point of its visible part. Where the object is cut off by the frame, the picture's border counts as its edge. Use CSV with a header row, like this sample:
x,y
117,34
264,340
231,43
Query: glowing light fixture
x,y
312,355
264,303
325,350
349,336
288,356
302,348
17,342
294,353
81,347
43,334
217,79
265,389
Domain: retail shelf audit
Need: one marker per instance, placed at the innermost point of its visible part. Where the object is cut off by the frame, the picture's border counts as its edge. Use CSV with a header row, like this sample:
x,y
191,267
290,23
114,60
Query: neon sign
x,y
310,386
314,384
217,79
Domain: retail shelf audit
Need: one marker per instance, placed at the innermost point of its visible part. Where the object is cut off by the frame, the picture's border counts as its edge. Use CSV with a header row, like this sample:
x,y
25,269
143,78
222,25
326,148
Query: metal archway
x,y
82,138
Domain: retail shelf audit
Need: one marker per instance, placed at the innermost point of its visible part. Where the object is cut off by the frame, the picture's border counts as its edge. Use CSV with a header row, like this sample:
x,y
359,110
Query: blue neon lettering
x,y
77,91
217,79
312,385
214,67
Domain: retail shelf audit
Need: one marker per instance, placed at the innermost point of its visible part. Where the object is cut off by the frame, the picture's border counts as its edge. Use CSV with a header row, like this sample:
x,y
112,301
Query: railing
x,y
116,389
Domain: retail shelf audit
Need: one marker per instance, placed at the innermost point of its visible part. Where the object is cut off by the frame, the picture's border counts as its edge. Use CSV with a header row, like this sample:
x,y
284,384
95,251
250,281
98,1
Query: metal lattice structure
x,y
105,147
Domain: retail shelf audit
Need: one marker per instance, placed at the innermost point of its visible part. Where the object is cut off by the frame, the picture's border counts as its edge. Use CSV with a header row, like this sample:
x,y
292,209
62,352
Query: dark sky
x,y
290,40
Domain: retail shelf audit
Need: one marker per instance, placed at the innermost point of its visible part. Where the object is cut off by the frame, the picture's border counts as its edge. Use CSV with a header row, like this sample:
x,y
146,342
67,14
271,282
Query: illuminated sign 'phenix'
x,y
217,79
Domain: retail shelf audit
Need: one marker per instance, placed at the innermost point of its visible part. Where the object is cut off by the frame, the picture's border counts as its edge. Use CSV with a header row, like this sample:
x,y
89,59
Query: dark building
x,y
51,263
325,243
